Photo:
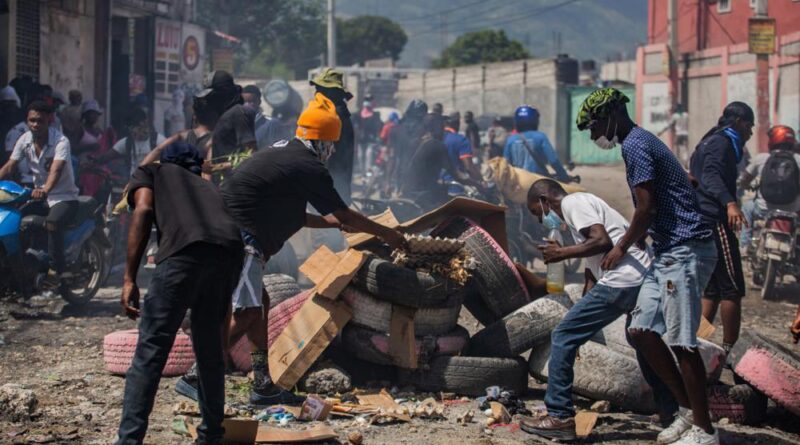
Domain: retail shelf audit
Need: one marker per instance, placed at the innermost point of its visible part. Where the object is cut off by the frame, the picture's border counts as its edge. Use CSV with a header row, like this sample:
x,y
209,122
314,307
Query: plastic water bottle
x,y
555,271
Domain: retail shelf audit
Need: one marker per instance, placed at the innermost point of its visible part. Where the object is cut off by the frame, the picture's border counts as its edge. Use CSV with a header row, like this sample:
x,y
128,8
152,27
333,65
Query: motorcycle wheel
x,y
769,279
84,286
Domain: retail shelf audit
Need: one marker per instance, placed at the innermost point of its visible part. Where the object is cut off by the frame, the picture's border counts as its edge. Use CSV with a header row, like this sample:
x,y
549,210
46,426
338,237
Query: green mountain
x,y
585,29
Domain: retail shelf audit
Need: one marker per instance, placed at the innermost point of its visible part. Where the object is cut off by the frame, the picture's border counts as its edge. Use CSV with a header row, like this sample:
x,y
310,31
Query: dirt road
x,y
56,352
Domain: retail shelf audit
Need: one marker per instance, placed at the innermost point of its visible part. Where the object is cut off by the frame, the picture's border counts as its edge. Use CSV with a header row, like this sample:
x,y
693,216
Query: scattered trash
x,y
315,408
466,418
585,422
17,403
355,437
429,409
499,412
602,406
506,398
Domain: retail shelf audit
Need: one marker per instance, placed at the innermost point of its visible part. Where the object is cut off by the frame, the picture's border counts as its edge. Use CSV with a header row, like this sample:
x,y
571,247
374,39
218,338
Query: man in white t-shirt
x,y
141,140
596,228
47,153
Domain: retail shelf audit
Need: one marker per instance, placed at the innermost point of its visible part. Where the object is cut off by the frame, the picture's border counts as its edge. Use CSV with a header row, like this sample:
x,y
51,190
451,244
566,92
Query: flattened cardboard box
x,y
304,339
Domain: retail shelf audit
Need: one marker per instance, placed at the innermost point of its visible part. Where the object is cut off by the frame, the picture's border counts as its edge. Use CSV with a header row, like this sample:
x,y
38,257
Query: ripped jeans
x,y
669,300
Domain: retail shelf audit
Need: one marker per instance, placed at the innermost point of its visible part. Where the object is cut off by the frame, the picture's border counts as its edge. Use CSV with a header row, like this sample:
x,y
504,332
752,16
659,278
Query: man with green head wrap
x,y
668,308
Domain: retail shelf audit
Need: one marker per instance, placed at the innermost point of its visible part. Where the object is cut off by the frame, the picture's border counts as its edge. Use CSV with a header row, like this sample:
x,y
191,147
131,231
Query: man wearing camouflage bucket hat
x,y
685,255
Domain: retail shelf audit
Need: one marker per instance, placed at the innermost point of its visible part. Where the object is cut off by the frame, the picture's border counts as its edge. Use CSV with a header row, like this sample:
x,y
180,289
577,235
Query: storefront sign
x,y
222,59
167,57
762,36
193,54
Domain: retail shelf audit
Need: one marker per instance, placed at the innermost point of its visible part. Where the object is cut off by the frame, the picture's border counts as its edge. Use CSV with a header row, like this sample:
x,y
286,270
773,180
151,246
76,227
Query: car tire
x,y
520,330
279,287
496,278
375,314
400,285
739,403
278,318
373,346
769,367
469,376
120,346
601,374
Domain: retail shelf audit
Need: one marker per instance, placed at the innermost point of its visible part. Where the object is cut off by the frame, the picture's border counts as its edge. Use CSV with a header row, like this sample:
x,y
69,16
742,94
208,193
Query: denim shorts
x,y
248,292
669,300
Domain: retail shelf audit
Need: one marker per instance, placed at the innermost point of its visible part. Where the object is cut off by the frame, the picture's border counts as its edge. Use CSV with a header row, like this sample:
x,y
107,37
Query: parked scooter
x,y
773,252
24,261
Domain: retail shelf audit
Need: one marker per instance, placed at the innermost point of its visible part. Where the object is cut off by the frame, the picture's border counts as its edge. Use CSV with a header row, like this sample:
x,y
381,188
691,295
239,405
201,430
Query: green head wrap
x,y
598,105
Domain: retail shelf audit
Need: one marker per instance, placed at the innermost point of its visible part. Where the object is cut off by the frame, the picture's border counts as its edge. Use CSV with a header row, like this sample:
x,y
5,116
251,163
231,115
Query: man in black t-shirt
x,y
267,196
198,264
421,183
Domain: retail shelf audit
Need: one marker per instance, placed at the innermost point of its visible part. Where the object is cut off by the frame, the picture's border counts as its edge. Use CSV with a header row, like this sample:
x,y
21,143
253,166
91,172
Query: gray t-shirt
x,y
57,149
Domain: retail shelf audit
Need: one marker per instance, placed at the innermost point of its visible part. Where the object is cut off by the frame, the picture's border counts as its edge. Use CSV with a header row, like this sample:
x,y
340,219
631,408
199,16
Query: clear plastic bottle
x,y
555,271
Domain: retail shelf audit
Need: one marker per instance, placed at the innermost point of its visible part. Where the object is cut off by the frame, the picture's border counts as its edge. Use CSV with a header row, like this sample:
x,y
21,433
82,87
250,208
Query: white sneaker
x,y
696,436
681,424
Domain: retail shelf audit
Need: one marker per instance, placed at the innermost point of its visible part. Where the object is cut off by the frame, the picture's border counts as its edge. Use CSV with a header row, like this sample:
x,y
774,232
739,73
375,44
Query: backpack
x,y
780,178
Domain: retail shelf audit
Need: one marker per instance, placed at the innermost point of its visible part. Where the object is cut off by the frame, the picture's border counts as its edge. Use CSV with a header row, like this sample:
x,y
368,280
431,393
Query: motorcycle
x,y
774,252
24,261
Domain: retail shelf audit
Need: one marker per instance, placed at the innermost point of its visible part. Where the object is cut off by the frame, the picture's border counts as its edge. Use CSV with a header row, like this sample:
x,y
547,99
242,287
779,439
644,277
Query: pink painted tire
x,y
279,317
119,347
373,346
739,404
495,279
769,367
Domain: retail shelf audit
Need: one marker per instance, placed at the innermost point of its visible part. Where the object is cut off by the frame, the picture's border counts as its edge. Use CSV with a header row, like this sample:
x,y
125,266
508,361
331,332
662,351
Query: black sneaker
x,y
270,394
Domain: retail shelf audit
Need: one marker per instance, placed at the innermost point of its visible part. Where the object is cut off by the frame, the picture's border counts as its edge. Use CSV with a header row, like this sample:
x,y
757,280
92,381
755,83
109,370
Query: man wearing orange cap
x,y
267,196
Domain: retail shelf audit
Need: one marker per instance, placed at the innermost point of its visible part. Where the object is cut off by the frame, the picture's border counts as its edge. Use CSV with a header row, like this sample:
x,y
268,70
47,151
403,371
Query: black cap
x,y
216,80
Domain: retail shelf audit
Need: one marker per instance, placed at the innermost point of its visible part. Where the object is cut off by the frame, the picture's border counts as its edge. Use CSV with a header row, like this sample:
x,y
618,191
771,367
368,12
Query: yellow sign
x,y
762,36
222,59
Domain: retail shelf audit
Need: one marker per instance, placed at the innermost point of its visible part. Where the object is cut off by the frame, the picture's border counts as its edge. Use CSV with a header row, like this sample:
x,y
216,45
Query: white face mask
x,y
603,141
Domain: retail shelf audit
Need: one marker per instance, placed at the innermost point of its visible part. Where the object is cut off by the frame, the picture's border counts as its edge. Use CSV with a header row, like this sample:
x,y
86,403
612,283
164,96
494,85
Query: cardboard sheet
x,y
386,218
706,329
304,339
584,423
236,430
386,403
332,272
401,337
267,434
489,216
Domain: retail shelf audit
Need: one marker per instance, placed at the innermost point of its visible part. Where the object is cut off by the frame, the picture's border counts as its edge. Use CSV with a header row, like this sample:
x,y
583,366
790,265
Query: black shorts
x,y
727,281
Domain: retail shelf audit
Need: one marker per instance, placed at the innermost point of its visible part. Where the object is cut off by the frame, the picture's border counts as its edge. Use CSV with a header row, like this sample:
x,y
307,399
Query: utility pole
x,y
762,87
331,34
672,29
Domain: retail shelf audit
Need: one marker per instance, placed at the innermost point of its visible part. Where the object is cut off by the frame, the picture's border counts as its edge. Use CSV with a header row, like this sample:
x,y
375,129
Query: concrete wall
x,y
624,71
718,76
67,56
496,88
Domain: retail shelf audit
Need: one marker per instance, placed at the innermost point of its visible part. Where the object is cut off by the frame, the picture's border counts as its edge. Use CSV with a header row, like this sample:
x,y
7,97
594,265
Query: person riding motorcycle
x,y
530,149
47,152
782,142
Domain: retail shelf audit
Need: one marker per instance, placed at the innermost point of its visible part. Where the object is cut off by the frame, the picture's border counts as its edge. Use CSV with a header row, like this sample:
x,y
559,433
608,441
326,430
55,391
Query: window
x,y
753,4
28,39
724,6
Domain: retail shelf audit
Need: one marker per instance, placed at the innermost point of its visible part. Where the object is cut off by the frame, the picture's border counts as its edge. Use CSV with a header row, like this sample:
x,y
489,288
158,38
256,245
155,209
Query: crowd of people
x,y
212,189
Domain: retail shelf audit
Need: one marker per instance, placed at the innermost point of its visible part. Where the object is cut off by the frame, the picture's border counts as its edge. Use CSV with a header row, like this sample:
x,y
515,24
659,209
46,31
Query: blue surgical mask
x,y
550,219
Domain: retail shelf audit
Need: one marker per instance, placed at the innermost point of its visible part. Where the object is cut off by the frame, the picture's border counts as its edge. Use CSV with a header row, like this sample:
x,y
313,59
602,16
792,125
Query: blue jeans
x,y
201,277
596,310
751,213
669,300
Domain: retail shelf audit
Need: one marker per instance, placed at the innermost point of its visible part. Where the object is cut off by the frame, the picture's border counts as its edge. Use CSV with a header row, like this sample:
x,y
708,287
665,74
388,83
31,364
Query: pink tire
x,y
769,367
119,347
373,346
279,317
739,404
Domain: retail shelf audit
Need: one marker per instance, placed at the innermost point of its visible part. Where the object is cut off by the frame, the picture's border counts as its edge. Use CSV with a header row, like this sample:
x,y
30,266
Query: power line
x,y
433,14
490,24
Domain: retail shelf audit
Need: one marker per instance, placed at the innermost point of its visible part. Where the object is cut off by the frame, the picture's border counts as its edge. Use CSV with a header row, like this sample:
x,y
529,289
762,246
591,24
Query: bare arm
x,y
351,218
537,286
322,222
642,218
597,241
138,235
55,173
8,168
155,154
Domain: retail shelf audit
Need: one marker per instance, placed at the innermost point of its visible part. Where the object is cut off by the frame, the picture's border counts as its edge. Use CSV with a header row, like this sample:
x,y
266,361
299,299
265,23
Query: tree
x,y
368,37
481,47
277,34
